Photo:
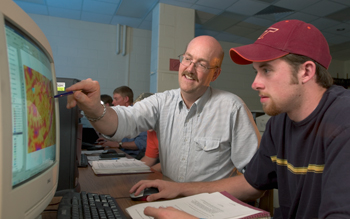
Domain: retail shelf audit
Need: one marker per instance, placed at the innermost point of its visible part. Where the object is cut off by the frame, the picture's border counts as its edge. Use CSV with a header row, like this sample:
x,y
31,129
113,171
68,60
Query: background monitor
x,y
70,141
29,120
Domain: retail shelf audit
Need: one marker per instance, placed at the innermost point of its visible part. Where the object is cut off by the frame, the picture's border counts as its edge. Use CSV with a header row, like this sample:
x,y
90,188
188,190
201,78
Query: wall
x,y
85,49
88,50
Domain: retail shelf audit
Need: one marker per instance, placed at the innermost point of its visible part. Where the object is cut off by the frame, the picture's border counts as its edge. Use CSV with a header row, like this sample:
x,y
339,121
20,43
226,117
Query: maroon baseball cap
x,y
282,38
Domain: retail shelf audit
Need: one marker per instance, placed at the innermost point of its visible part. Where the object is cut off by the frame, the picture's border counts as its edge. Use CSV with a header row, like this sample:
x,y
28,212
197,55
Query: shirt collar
x,y
200,103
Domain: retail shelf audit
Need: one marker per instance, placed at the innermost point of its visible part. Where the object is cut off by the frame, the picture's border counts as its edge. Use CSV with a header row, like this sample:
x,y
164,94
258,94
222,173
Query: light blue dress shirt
x,y
203,143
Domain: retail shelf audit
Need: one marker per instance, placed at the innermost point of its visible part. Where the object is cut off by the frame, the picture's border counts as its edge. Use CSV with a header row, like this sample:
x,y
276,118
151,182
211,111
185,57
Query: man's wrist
x,y
120,145
100,117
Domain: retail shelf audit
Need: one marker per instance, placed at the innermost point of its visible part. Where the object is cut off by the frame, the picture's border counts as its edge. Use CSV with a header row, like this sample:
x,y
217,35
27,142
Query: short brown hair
x,y
125,91
107,99
323,78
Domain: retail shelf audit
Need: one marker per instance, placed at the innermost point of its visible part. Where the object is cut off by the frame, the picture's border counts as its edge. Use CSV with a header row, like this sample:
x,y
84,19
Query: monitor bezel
x,y
31,198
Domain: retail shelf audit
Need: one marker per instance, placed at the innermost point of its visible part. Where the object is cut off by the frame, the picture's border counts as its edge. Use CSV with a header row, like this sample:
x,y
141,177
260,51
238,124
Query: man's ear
x,y
126,98
216,74
308,71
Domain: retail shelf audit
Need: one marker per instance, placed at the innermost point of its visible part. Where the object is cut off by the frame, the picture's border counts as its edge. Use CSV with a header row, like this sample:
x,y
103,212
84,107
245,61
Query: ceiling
x,y
238,21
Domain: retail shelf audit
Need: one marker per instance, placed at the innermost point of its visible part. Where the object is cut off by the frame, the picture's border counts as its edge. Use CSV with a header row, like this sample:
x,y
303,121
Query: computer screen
x,y
29,125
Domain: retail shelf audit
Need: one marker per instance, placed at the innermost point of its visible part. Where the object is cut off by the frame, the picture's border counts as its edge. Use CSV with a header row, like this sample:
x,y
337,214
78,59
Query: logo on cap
x,y
268,30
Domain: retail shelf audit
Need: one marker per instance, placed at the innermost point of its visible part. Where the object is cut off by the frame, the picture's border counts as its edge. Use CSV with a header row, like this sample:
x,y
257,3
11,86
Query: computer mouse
x,y
144,194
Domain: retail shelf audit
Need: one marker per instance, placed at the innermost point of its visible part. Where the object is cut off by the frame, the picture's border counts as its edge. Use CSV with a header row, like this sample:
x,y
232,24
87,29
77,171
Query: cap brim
x,y
247,54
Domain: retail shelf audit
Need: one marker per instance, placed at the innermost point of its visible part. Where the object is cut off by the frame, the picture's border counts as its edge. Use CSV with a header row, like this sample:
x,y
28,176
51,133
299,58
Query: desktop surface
x,y
117,186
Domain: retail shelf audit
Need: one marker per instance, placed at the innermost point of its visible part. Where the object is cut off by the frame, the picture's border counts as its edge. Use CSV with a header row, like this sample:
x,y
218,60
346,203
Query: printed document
x,y
205,205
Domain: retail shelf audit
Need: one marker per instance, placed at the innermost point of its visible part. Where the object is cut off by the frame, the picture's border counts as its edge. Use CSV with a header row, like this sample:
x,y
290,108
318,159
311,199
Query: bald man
x,y
203,133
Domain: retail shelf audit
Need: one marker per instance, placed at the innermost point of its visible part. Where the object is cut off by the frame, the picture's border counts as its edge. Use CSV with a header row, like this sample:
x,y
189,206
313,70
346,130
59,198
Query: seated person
x,y
151,157
203,132
123,96
107,100
304,152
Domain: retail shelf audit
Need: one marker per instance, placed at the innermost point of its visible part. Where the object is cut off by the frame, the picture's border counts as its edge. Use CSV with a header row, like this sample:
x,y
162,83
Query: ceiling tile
x,y
99,7
32,1
136,8
199,32
33,8
247,7
228,37
146,25
240,30
201,17
68,4
342,15
244,41
338,39
323,8
110,1
255,35
259,21
324,23
295,4
98,18
344,2
148,17
328,36
250,26
207,9
338,29
223,21
129,21
184,4
219,4
64,13
301,16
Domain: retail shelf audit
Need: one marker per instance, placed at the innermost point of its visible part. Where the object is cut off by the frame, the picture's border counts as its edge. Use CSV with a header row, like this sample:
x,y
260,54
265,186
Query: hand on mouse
x,y
167,213
167,190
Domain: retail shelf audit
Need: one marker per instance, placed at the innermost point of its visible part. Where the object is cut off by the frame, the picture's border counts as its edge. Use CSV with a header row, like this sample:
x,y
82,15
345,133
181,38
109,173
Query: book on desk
x,y
119,166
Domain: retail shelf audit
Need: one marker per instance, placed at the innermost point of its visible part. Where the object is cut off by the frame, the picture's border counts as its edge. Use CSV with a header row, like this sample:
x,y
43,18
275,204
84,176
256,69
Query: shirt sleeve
x,y
140,117
261,171
335,199
141,141
245,137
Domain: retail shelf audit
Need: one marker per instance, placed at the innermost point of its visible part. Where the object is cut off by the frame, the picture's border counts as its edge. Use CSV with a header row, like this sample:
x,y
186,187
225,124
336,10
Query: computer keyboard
x,y
83,161
83,205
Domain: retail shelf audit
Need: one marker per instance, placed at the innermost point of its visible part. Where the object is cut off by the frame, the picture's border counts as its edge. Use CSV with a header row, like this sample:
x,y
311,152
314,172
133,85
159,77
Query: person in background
x,y
151,157
305,149
124,96
107,100
203,132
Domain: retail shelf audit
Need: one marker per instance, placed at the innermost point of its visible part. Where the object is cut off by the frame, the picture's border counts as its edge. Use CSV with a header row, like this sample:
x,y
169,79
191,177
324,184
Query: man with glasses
x,y
203,133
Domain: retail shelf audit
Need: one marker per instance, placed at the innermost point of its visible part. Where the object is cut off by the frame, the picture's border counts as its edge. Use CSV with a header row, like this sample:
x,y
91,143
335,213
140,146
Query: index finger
x,y
138,187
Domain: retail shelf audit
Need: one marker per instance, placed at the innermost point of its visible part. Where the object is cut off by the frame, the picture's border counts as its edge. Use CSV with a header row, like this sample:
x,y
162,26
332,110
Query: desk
x,y
117,186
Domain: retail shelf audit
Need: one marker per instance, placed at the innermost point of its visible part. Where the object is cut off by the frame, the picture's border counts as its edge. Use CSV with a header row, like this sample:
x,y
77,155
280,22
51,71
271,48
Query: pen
x,y
63,94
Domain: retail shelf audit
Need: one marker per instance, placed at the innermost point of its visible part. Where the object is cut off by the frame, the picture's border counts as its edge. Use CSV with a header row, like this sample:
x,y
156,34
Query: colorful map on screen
x,y
40,110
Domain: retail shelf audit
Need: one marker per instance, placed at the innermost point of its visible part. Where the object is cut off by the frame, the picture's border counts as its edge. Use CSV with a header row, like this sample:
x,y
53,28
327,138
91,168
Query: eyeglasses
x,y
200,67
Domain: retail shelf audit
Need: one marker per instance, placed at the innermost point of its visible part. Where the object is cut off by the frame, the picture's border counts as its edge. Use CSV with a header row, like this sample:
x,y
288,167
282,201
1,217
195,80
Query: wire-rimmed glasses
x,y
200,67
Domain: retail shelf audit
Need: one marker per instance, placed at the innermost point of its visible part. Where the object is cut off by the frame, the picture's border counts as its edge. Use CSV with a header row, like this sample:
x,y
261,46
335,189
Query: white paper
x,y
209,206
92,152
122,165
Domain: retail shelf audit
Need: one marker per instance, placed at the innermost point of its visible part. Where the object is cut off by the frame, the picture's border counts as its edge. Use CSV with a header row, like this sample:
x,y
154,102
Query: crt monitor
x,y
29,120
